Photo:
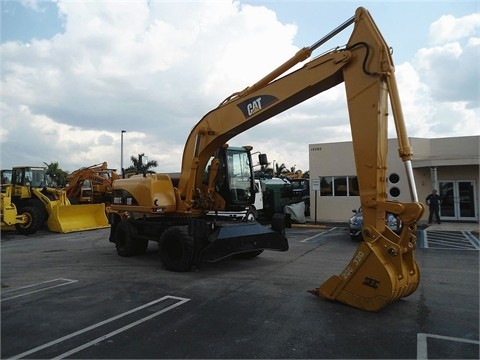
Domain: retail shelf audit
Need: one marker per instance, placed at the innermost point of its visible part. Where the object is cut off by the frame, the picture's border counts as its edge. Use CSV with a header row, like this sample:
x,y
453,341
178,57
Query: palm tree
x,y
139,167
279,169
57,176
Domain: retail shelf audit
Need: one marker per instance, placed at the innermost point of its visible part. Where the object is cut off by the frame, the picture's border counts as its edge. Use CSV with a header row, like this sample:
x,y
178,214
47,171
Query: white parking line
x,y
181,301
41,285
318,235
422,350
425,239
473,240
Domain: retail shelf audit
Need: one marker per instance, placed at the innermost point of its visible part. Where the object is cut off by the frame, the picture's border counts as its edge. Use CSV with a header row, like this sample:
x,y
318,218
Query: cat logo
x,y
255,104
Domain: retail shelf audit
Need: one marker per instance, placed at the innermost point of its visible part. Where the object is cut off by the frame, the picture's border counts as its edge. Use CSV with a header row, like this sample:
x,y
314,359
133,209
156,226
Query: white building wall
x,y
452,159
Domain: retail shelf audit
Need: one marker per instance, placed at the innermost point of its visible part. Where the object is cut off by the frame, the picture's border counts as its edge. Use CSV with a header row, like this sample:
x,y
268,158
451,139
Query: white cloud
x,y
155,68
35,5
448,72
449,28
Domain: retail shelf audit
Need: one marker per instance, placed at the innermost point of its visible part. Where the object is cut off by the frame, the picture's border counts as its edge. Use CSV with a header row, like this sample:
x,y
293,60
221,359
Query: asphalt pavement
x,y
72,296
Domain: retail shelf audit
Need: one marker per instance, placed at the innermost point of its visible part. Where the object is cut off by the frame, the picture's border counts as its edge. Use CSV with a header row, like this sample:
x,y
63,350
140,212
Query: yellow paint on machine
x,y
71,218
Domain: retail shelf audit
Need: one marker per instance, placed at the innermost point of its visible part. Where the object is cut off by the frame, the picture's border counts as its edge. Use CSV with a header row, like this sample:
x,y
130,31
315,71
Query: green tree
x,y
264,172
138,166
57,176
279,169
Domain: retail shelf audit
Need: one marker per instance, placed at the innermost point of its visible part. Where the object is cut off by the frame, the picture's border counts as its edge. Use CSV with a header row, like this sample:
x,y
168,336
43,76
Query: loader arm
x,y
383,268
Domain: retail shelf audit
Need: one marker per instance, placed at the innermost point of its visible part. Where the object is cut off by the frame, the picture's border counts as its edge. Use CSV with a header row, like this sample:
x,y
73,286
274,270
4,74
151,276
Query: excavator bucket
x,y
71,218
381,271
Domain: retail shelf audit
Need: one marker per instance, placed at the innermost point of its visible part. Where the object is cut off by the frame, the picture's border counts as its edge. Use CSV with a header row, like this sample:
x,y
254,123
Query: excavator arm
x,y
383,268
101,179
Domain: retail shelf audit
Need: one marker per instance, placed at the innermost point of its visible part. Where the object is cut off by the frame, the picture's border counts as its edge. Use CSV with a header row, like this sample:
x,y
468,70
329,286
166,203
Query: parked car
x,y
356,224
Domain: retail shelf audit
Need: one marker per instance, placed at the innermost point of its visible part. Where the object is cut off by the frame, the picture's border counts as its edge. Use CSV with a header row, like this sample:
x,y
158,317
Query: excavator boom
x,y
383,268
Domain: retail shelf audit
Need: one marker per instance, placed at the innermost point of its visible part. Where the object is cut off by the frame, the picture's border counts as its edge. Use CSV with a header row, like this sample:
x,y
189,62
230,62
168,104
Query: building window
x,y
326,188
339,186
353,186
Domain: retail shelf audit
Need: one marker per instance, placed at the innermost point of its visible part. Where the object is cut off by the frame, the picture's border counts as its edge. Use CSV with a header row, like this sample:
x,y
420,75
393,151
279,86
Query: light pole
x,y
121,154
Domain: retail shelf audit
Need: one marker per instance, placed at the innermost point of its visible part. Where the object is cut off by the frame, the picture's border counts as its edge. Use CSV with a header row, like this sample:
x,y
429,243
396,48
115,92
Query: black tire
x,y
35,221
126,242
177,249
251,215
248,255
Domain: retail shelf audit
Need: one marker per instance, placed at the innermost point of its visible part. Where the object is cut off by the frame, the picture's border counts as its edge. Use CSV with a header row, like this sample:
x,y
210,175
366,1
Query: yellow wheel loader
x,y
172,209
27,203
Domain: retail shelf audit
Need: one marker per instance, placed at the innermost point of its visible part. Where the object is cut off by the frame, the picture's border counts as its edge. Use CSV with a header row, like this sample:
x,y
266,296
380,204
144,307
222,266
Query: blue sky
x,y
22,23
75,73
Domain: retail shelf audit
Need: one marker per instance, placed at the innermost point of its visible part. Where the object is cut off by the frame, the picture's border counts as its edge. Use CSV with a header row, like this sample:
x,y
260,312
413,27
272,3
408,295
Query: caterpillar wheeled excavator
x,y
171,209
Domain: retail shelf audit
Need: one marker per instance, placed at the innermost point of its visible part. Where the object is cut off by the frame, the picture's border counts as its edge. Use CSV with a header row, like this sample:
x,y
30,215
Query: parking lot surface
x,y
72,296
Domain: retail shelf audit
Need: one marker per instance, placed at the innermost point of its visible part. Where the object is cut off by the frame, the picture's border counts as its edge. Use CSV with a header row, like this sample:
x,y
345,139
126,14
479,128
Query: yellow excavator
x,y
27,203
171,208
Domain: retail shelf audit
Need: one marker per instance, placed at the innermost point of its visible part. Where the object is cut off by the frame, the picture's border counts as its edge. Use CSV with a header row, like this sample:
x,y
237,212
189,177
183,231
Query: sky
x,y
74,74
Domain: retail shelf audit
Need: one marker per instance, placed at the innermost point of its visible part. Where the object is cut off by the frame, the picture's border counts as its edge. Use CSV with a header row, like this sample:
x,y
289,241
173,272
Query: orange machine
x,y
91,185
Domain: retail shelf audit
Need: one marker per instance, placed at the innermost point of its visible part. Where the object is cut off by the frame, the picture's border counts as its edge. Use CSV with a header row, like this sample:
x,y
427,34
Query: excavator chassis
x,y
186,243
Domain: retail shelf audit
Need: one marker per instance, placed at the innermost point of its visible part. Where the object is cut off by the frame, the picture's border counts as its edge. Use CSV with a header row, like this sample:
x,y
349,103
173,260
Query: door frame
x,y
456,200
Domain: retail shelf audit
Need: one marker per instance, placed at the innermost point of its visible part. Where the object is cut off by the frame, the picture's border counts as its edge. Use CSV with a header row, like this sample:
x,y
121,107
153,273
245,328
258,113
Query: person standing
x,y
433,201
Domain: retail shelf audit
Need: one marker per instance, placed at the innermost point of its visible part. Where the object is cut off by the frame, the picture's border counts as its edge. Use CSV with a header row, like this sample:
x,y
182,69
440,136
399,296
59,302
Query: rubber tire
x,y
251,215
35,221
177,249
125,241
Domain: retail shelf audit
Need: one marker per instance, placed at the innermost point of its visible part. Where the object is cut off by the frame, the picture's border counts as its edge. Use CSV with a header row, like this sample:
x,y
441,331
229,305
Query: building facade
x,y
450,165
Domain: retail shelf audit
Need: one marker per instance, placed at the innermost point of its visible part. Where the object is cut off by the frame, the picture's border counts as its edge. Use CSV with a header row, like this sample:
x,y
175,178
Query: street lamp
x,y
121,154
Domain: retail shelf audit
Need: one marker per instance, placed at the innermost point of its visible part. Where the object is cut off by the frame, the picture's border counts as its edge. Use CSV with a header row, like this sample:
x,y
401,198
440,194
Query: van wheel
x,y
176,249
126,242
251,214
35,220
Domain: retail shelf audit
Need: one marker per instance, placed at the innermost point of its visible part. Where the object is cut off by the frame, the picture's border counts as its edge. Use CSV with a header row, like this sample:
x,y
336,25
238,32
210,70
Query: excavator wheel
x,y
177,249
126,242
35,219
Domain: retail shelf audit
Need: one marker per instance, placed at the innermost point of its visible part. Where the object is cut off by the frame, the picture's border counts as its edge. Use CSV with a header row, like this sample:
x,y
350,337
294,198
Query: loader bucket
x,y
71,218
380,272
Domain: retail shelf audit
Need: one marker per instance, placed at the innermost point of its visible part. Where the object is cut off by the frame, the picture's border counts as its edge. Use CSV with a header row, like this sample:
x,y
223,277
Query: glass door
x,y
446,192
458,200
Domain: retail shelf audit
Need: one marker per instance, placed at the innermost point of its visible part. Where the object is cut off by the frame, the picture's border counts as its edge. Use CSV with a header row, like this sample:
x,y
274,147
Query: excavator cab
x,y
233,177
